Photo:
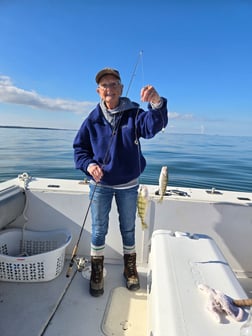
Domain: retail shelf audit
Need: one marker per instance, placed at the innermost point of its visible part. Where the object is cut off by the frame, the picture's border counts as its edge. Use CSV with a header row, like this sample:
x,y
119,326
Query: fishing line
x,y
136,141
142,68
140,58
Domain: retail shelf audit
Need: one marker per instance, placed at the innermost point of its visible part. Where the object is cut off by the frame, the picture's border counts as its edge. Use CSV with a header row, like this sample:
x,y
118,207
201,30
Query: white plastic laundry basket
x,y
32,256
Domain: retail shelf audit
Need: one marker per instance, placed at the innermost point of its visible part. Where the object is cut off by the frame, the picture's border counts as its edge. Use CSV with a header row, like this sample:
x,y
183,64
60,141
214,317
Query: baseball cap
x,y
107,71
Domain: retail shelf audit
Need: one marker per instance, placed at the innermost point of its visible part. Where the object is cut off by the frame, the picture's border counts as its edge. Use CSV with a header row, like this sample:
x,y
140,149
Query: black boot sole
x,y
133,287
96,292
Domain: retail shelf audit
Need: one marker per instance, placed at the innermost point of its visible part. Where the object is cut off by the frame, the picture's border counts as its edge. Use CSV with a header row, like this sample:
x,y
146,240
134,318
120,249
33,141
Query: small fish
x,y
163,180
142,204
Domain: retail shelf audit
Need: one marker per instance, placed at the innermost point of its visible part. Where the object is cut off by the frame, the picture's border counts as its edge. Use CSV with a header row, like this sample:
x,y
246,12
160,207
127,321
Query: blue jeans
x,y
126,201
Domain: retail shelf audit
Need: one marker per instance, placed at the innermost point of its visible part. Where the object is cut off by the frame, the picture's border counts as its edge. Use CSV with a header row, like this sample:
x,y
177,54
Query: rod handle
x,y
71,261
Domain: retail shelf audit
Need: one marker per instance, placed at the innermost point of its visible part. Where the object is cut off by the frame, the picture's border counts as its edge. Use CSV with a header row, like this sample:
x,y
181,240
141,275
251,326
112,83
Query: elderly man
x,y
107,149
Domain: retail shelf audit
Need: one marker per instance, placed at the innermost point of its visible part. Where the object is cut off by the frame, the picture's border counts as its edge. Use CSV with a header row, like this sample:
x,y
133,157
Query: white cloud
x,y
9,93
176,115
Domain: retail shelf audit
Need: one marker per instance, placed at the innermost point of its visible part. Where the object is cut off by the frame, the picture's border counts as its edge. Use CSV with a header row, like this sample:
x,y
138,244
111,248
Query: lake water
x,y
197,161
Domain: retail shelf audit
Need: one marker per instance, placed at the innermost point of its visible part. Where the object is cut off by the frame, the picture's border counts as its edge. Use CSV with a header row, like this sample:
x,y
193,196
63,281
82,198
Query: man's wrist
x,y
157,105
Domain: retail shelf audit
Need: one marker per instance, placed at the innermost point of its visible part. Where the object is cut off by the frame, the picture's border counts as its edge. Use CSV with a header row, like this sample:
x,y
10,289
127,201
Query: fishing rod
x,y
134,71
75,249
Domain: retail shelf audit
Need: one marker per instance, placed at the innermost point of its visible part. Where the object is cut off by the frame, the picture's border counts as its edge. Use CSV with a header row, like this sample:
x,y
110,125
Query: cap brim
x,y
105,72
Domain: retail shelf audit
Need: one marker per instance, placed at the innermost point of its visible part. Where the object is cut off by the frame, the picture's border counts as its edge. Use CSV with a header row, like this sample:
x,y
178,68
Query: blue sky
x,y
196,53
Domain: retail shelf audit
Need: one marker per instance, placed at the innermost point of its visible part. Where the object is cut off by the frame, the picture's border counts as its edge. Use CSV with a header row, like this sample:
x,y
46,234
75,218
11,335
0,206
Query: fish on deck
x,y
142,204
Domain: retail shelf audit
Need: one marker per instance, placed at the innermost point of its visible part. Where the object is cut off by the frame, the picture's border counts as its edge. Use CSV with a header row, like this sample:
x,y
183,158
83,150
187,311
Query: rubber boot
x,y
130,272
96,279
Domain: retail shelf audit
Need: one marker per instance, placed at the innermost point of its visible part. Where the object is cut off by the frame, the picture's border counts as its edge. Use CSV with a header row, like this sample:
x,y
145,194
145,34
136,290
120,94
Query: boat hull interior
x,y
192,236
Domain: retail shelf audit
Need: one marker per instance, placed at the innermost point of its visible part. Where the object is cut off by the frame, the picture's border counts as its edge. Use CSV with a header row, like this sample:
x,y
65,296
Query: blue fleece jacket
x,y
117,150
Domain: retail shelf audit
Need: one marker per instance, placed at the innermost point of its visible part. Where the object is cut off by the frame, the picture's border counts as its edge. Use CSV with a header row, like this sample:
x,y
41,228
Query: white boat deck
x,y
64,307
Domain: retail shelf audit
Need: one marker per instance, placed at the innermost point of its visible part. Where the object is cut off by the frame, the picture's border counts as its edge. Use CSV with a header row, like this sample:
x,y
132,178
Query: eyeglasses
x,y
112,85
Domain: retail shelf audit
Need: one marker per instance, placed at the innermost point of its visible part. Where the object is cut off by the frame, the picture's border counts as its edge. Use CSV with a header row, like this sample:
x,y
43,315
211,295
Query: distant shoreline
x,y
72,129
39,128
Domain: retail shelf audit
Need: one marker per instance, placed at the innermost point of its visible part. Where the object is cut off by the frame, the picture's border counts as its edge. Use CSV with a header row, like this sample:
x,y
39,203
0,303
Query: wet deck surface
x,y
62,306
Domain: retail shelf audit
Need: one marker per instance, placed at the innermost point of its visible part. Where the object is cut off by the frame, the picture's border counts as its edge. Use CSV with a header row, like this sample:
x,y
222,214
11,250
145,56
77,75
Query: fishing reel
x,y
80,263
